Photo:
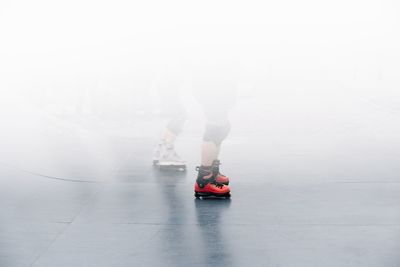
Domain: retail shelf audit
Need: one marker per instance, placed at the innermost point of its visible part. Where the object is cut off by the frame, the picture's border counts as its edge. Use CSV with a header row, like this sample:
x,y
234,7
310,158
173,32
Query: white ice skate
x,y
165,157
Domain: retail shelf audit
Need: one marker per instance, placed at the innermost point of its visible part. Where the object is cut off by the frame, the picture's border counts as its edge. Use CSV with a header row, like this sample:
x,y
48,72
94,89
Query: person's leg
x,y
210,182
209,153
176,114
169,136
217,129
165,154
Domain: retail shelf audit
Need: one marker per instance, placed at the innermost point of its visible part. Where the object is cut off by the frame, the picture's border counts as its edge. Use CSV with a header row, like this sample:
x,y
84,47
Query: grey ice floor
x,y
317,198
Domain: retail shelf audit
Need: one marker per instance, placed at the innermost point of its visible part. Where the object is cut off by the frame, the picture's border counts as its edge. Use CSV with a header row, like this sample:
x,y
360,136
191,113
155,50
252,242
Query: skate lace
x,y
219,185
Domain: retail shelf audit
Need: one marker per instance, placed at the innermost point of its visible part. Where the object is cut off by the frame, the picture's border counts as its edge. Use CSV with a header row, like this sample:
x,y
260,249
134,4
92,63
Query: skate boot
x,y
207,186
220,178
166,158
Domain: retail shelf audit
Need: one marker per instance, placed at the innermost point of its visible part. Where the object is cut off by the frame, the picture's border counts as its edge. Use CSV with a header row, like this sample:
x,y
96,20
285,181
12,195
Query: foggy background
x,y
313,155
317,83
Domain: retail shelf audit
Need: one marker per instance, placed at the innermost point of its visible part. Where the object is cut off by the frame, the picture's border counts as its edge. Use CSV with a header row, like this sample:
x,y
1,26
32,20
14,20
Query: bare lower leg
x,y
169,137
209,153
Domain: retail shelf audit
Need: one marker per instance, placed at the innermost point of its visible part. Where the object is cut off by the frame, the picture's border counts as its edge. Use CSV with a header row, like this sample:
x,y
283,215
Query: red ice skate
x,y
207,185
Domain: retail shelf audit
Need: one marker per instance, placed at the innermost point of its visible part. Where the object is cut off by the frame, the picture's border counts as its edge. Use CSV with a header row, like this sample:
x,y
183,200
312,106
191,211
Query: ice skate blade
x,y
211,195
181,168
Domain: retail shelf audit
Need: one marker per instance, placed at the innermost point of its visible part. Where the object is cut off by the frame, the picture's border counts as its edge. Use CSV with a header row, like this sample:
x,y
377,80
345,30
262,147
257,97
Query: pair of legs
x,y
209,182
213,88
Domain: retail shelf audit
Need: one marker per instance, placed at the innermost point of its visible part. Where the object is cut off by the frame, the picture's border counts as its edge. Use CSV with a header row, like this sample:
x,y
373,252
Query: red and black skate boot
x,y
220,178
207,186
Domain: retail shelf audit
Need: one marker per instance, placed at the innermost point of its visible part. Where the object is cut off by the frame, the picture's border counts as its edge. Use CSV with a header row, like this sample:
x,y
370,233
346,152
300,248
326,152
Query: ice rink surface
x,y
314,185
